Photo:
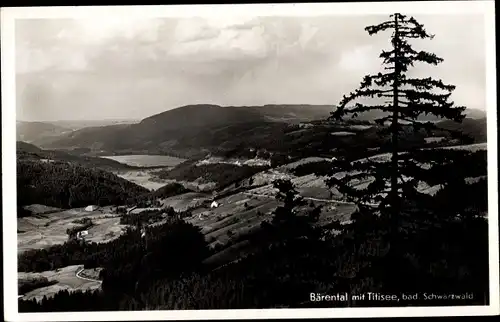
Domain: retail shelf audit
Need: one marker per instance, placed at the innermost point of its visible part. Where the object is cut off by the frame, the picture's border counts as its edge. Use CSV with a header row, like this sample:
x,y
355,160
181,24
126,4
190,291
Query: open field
x,y
308,186
342,133
66,278
267,177
146,160
293,165
186,201
144,178
359,127
469,147
250,162
45,230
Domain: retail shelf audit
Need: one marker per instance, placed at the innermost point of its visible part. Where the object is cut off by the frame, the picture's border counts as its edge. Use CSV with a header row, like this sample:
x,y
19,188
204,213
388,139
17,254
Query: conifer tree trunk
x,y
395,87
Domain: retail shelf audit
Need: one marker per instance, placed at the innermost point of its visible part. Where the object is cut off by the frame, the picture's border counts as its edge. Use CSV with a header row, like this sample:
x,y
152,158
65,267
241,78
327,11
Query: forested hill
x,y
186,130
193,130
32,131
476,128
66,185
28,151
27,148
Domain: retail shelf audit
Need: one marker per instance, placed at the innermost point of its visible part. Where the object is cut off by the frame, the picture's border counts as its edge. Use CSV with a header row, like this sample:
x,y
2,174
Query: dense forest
x,y
312,167
222,174
66,185
27,285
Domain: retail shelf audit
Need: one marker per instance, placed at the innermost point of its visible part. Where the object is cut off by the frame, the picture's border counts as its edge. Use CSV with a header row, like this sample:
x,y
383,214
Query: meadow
x,y
63,278
44,230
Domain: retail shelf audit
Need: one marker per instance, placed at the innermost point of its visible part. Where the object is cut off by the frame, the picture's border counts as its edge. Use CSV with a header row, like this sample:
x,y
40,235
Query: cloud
x,y
358,59
127,66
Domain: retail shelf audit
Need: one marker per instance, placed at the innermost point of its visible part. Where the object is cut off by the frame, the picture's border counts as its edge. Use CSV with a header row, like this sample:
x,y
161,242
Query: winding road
x,y
85,278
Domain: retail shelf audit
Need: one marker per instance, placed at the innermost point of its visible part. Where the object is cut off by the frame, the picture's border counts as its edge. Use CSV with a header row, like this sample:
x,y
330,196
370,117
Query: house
x,y
214,204
91,208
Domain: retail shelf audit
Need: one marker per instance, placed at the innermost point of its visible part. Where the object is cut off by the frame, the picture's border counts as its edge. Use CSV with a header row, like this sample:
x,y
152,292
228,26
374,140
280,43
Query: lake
x,y
146,160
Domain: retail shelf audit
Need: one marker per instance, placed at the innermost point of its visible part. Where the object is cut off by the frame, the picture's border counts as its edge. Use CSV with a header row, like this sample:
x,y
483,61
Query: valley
x,y
192,163
225,189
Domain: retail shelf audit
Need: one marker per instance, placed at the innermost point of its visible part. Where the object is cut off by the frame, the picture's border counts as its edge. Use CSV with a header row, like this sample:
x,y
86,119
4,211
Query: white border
x,y
8,15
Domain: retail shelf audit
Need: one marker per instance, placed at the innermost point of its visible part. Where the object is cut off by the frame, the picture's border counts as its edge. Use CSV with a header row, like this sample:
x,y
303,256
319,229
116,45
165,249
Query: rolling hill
x,y
38,131
43,133
80,124
195,130
186,130
473,127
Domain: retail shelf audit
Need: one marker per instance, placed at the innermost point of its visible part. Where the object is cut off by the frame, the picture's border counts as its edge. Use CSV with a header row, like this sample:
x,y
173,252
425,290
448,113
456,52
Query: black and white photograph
x,y
249,161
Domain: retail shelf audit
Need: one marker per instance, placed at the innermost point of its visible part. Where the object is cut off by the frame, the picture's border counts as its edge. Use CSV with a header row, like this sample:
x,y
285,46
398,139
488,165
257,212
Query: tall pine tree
x,y
406,196
403,100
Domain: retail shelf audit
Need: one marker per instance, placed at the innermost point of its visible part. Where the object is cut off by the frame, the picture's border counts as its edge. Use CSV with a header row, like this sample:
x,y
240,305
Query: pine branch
x,y
380,27
406,61
356,110
413,96
427,84
442,109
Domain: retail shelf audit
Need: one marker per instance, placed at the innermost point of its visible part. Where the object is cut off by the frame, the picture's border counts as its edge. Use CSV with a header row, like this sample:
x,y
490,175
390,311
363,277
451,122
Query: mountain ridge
x,y
196,129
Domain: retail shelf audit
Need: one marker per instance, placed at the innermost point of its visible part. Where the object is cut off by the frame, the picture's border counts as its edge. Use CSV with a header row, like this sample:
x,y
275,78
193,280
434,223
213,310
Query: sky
x,y
130,68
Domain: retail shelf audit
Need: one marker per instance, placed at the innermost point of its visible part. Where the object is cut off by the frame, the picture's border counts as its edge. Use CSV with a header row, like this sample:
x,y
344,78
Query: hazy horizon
x,y
140,119
130,68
